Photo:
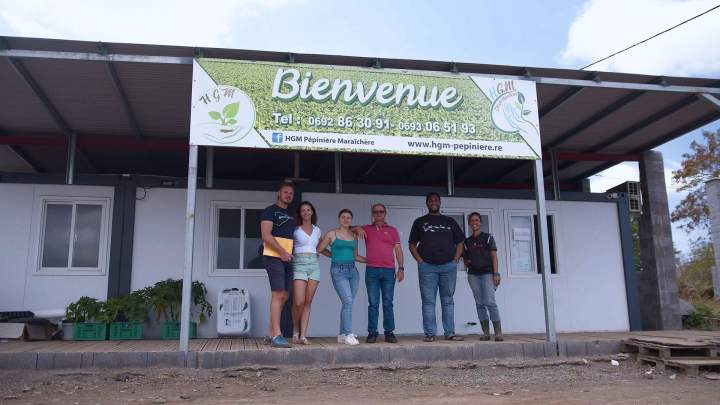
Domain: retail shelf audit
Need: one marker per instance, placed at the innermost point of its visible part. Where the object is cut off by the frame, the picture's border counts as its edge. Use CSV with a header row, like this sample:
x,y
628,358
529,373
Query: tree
x,y
698,167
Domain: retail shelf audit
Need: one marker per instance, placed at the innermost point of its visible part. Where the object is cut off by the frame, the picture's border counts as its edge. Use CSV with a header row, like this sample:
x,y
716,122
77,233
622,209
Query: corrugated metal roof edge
x,y
45,44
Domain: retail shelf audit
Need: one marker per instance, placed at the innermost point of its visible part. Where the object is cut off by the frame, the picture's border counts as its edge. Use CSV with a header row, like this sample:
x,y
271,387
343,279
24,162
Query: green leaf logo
x,y
214,115
231,110
521,98
526,112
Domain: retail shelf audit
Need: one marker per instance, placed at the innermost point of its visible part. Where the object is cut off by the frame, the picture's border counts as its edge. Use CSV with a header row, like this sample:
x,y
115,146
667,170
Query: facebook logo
x,y
277,137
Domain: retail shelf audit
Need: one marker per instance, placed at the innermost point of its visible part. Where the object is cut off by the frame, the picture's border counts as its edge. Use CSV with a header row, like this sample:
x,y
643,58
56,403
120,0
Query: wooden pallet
x,y
693,367
669,350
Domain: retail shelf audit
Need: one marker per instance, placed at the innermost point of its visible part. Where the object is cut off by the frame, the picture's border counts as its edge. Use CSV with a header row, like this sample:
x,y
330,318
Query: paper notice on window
x,y
521,256
521,234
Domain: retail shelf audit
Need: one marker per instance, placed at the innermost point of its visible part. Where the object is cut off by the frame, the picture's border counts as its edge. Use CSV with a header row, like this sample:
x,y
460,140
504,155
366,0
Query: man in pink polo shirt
x,y
382,248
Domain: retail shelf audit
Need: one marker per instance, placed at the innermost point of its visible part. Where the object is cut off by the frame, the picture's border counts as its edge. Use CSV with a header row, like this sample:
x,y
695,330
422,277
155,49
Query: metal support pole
x,y
189,240
338,173
555,176
544,249
450,176
209,166
70,166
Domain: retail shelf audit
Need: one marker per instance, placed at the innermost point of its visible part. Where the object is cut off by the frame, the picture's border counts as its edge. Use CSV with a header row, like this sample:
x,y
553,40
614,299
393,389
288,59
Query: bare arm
x,y
414,252
400,274
458,251
267,238
324,243
496,275
358,258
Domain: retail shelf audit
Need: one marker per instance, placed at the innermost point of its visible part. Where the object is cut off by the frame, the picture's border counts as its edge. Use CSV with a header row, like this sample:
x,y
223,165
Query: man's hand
x,y
359,231
496,279
400,275
285,256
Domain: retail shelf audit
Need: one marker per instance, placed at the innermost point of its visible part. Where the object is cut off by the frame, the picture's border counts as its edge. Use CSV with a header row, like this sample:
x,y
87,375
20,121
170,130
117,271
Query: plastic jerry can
x,y
233,315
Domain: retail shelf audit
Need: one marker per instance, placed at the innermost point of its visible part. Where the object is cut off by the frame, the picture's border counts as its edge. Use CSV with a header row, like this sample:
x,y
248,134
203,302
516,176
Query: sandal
x,y
429,338
455,338
304,341
296,338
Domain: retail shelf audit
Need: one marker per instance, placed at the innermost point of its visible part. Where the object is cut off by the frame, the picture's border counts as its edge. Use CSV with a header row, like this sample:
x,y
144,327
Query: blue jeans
x,y
380,280
434,278
483,290
345,279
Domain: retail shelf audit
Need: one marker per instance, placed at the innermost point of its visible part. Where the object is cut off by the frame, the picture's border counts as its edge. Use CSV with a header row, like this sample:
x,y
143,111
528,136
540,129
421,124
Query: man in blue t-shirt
x,y
436,243
276,228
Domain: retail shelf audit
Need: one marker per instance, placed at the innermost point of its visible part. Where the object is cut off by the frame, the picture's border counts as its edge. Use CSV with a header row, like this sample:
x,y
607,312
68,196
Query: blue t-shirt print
x,y
283,222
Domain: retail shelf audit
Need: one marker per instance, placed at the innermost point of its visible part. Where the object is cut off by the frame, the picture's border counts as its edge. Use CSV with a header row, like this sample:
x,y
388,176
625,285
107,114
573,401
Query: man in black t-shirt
x,y
436,243
483,276
276,228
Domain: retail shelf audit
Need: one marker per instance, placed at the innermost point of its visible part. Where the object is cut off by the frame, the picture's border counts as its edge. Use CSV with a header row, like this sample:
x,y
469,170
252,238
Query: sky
x,y
551,33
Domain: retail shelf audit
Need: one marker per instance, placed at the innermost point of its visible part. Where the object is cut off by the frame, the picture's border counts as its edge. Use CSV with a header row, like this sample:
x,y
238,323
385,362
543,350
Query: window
x,y
520,234
73,235
237,241
551,242
524,243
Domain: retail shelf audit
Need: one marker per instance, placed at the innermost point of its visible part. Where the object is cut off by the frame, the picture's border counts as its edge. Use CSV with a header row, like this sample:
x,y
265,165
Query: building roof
x,y
129,105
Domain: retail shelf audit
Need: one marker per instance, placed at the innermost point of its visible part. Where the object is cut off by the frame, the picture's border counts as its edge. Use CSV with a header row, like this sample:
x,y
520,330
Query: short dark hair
x,y
286,183
343,211
298,218
378,204
430,194
475,214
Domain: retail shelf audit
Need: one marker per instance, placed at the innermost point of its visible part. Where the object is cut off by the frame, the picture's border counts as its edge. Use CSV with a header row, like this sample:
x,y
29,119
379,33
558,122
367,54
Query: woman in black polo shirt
x,y
482,267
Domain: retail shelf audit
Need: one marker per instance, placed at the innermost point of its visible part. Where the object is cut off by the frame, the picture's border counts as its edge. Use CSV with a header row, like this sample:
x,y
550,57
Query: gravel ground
x,y
562,381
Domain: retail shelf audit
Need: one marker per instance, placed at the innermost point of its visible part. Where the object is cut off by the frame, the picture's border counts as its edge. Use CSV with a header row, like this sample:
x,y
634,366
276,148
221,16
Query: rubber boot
x,y
498,331
485,325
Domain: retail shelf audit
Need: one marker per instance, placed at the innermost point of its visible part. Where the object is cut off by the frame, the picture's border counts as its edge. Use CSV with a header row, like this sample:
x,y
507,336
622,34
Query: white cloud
x,y
613,176
607,26
182,22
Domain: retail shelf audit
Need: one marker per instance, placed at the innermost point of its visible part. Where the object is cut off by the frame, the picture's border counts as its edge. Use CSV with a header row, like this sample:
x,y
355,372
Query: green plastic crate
x,y
171,330
126,331
90,331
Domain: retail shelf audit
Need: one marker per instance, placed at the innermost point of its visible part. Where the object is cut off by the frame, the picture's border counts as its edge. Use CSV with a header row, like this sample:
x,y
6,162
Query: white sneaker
x,y
350,339
341,338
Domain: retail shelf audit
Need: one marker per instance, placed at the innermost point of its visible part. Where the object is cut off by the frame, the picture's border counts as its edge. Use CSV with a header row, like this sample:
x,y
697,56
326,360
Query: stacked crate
x,y
690,356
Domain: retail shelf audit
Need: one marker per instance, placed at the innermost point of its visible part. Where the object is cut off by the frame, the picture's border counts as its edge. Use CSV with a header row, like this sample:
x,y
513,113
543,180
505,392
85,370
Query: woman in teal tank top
x,y
345,277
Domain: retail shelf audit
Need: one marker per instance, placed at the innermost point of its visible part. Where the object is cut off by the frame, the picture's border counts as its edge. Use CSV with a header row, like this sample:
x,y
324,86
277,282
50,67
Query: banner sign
x,y
332,108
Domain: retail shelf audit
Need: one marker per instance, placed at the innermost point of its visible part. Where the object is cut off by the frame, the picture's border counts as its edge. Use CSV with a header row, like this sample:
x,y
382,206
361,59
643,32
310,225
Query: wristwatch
x,y
401,268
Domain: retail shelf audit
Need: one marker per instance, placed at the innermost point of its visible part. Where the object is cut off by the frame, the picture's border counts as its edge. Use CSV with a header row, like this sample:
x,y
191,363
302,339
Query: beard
x,y
434,210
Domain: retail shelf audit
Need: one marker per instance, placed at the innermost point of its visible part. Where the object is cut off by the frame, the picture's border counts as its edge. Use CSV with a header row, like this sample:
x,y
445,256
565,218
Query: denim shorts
x,y
306,267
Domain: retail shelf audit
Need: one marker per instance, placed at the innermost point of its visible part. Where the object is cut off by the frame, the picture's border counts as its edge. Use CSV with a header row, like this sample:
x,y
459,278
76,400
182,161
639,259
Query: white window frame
x,y
465,212
508,243
215,207
104,243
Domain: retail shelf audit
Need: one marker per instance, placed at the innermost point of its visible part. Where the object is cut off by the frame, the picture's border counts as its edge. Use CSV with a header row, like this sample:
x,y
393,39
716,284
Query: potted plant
x,y
165,298
126,315
84,315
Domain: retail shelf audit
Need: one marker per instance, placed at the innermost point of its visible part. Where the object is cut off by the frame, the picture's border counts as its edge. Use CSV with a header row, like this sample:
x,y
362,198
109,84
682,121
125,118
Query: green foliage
x,y
698,167
85,309
165,298
131,307
635,231
704,317
695,280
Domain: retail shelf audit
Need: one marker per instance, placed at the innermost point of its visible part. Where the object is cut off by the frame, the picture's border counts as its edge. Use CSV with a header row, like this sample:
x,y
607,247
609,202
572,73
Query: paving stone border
x,y
468,351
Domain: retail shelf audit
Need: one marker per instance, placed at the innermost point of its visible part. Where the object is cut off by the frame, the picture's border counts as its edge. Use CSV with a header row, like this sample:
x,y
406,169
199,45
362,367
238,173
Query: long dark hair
x,y
298,217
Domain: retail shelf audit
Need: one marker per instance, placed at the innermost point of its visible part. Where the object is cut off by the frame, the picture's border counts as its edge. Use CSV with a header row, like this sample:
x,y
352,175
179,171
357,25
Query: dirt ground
x,y
564,381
